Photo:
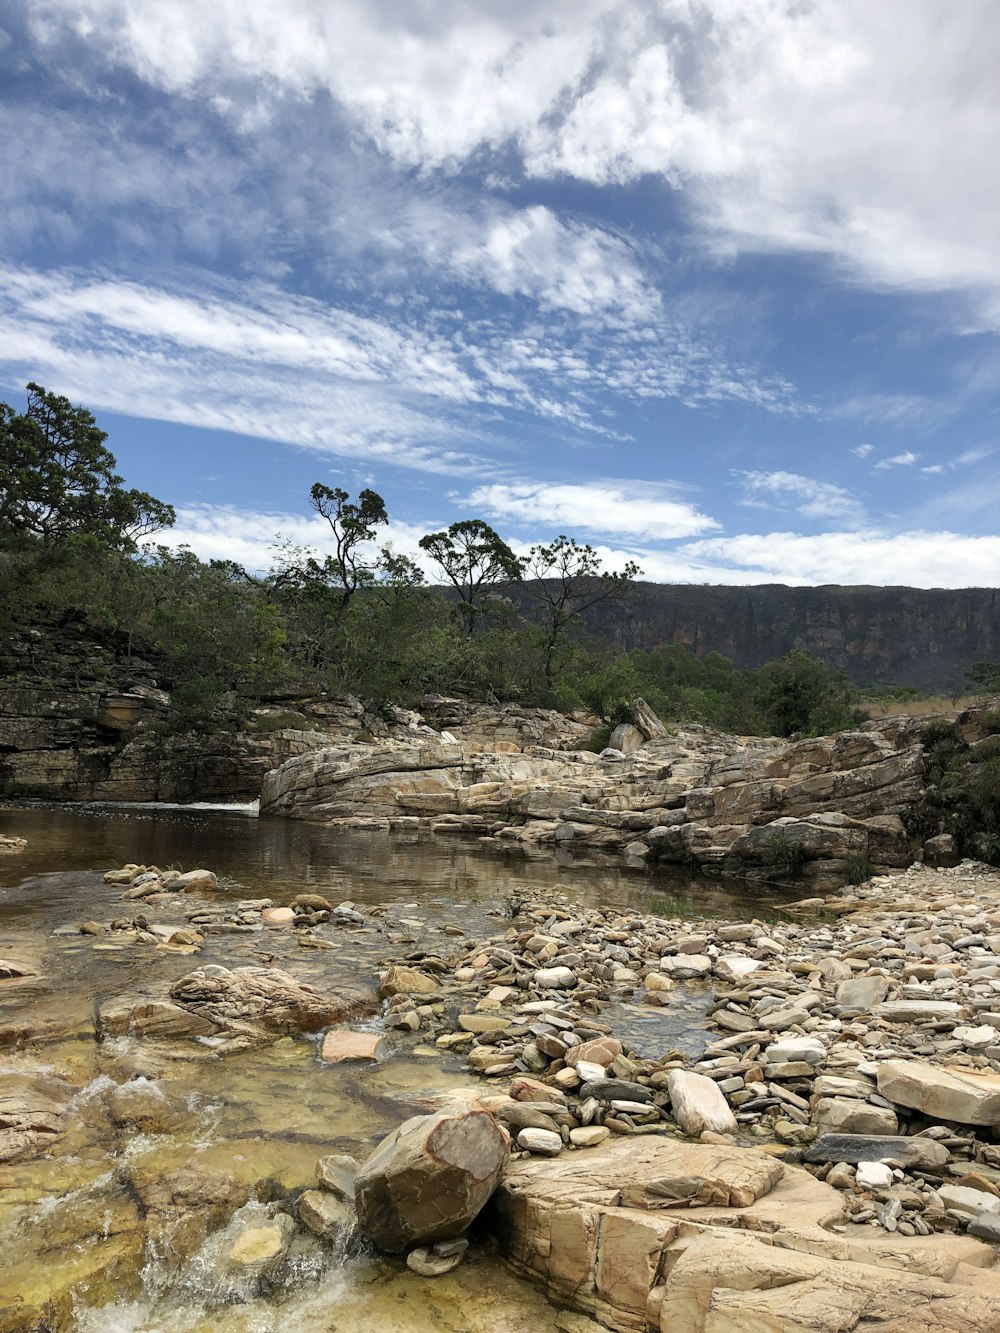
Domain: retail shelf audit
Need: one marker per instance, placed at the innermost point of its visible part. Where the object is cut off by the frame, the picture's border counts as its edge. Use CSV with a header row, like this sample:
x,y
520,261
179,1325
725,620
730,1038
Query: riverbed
x,y
260,1115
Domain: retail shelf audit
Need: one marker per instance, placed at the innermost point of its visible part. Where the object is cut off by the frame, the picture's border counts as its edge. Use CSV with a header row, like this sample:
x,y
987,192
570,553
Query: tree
x,y
569,579
985,676
475,560
797,695
57,480
334,580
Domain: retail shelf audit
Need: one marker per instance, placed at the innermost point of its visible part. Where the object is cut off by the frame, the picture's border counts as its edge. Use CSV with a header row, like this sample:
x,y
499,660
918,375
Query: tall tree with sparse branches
x,y
567,579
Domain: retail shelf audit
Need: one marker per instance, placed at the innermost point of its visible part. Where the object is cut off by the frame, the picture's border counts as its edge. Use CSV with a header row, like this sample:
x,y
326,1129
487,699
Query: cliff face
x,y
906,636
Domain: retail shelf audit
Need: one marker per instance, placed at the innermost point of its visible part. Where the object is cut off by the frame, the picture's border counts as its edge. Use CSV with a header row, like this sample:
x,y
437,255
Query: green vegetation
x,y
80,596
962,795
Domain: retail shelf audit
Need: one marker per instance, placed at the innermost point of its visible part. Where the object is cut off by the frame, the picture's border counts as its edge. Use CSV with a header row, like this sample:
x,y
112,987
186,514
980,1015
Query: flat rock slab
x,y
342,1044
607,1233
942,1093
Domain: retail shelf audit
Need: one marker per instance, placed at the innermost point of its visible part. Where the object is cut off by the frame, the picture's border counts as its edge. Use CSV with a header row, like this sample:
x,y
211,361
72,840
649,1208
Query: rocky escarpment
x,y
97,743
824,809
908,636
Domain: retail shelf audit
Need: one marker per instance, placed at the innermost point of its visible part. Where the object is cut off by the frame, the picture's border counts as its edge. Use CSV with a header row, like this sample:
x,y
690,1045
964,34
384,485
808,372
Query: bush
x,y
784,853
857,869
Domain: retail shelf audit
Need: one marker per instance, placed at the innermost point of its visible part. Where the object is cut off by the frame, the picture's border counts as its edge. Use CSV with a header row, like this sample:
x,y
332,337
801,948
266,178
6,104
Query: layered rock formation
x,y
610,1232
824,808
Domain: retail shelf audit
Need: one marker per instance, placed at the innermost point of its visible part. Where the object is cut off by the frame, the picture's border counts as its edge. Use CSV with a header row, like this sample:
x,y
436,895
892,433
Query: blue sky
x,y
711,284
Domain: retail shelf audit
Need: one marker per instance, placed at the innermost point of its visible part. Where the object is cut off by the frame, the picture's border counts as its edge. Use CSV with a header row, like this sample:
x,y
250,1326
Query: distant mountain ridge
x,y
906,636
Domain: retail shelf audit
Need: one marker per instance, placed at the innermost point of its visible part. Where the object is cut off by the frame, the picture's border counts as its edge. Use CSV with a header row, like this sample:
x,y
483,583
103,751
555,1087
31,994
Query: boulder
x,y
429,1179
343,1044
855,1148
957,1095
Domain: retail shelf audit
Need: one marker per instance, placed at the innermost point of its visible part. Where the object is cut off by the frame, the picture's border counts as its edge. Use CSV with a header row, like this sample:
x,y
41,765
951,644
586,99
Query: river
x,y
276,1108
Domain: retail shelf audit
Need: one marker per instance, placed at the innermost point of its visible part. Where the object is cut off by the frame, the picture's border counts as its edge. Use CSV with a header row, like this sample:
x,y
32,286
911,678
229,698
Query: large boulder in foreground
x,y
429,1179
669,1236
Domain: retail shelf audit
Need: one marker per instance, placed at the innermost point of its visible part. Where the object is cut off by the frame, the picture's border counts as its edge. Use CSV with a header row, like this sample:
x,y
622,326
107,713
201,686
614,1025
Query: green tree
x,y
567,580
476,561
353,524
57,480
985,676
796,695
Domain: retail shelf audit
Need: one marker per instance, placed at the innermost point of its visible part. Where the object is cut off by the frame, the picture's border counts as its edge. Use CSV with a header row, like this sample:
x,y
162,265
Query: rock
x,y
555,977
918,1011
970,1201
588,1136
942,1093
429,1179
873,1176
850,1115
406,981
336,1174
544,1142
341,1044
855,1148
310,902
625,738
987,1227
808,1049
428,1261
265,999
277,916
325,1215
697,1104
259,1247
685,967
861,994
194,881
647,721
130,1016
941,850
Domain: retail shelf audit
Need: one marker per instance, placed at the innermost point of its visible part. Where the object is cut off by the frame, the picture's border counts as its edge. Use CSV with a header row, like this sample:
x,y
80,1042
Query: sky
x,y
713,285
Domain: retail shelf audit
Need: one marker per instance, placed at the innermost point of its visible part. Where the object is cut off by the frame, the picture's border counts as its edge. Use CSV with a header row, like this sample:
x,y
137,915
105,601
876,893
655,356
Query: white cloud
x,y
914,559
810,498
865,132
863,450
639,510
905,459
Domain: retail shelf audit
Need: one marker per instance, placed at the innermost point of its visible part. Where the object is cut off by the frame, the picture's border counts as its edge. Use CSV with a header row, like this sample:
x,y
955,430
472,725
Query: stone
x,y
130,1016
851,1115
600,1051
918,1011
626,738
194,881
588,1136
325,1215
942,1093
697,1104
429,1261
277,916
344,1044
336,1174
970,1201
873,1176
555,977
941,850
686,967
544,1142
808,1049
429,1179
266,999
855,1148
861,994
406,981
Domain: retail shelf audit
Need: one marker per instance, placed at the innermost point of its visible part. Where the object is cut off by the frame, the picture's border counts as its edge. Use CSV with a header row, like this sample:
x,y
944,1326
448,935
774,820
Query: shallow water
x,y
261,1117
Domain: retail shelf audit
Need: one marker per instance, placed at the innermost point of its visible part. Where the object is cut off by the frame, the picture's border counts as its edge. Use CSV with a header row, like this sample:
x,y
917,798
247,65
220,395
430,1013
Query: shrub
x,y
858,869
784,853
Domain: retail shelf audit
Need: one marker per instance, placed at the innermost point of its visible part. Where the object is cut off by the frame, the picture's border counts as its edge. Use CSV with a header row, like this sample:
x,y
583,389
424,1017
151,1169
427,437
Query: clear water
x,y
267,1113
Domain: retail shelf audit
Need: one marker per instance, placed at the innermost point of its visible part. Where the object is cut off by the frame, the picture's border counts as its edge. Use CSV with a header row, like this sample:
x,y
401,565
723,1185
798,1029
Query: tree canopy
x,y
57,480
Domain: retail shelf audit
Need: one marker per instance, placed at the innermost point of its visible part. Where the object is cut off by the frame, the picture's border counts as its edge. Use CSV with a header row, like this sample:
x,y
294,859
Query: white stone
x,y
542,1142
550,977
874,1175
809,1049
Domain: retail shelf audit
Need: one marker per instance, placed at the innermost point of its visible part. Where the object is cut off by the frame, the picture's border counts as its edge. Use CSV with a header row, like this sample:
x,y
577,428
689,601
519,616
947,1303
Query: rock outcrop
x,y
429,1179
771,810
654,1235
